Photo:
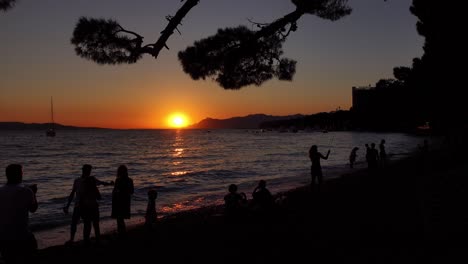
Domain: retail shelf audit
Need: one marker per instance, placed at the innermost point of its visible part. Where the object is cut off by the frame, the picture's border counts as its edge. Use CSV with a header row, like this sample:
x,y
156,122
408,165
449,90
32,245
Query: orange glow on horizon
x,y
178,120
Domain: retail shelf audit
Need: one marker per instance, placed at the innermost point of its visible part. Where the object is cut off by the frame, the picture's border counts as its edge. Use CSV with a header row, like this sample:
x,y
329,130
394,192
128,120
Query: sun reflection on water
x,y
179,173
178,152
182,206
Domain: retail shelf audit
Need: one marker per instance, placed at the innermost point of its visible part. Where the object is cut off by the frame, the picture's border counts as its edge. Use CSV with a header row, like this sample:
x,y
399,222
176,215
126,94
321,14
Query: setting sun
x,y
178,120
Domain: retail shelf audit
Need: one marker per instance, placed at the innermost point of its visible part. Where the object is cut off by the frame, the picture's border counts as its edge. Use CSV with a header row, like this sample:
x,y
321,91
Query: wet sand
x,y
413,211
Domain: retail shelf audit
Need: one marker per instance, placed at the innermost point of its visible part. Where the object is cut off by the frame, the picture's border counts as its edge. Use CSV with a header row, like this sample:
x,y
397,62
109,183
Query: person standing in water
x,y
316,168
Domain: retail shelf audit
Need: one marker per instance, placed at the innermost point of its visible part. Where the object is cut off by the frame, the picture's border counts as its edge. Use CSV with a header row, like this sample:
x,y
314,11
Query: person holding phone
x,y
17,242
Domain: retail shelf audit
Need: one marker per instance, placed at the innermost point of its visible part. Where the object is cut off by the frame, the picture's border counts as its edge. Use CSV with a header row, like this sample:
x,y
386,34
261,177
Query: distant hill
x,y
37,126
246,122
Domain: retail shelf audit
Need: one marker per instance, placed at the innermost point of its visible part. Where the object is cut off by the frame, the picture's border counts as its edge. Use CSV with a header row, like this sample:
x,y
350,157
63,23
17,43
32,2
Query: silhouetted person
x,y
373,158
316,168
17,243
76,195
151,216
121,197
89,208
352,157
234,202
382,154
367,153
424,148
262,199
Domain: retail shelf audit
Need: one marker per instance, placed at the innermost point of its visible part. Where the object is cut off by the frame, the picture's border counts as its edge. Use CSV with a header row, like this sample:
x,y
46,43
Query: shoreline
x,y
58,235
397,214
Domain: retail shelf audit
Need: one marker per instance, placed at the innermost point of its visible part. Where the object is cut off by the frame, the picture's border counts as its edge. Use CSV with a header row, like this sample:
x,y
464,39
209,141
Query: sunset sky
x,y
37,61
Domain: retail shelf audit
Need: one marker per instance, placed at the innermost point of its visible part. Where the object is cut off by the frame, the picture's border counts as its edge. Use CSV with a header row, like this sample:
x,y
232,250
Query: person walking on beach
x,y
75,195
17,243
352,157
382,154
121,197
316,168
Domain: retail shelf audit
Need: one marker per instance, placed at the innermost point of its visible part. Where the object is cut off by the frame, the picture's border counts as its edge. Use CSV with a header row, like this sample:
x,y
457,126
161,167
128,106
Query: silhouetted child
x,y
373,158
151,216
352,157
234,203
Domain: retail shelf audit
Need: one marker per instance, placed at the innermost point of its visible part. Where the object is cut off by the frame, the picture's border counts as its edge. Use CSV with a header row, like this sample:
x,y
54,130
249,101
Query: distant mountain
x,y
250,121
37,126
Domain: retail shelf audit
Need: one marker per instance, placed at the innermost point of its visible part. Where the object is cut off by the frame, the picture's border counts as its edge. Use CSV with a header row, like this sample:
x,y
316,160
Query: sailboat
x,y
51,131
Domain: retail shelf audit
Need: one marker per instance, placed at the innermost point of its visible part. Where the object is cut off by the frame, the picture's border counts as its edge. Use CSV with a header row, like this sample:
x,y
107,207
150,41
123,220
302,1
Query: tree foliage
x,y
106,42
437,74
402,73
326,9
235,64
237,57
6,4
432,89
234,57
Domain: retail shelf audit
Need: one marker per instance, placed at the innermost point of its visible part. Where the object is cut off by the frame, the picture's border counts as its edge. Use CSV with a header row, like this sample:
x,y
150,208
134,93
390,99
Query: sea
x,y
189,168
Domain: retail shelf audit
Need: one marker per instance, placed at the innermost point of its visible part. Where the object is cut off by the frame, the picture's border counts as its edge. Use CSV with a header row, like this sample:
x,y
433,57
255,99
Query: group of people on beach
x,y
86,194
17,242
263,200
18,200
236,204
374,157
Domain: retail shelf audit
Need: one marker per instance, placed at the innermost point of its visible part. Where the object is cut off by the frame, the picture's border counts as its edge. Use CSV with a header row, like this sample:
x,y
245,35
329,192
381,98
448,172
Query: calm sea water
x,y
189,168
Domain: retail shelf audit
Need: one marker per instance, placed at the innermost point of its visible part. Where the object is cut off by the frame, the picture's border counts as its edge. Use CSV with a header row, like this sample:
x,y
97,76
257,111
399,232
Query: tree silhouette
x,y
237,57
6,4
431,90
436,76
402,73
107,42
234,57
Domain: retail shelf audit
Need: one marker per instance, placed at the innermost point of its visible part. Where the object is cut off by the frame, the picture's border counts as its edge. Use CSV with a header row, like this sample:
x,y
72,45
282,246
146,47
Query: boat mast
x,y
52,110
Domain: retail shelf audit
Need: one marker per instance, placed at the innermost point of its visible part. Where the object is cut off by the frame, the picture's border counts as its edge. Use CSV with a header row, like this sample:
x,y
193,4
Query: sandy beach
x,y
412,211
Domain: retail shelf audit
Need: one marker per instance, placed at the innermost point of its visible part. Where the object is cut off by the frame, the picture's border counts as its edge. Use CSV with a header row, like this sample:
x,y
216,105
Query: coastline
x,y
357,216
